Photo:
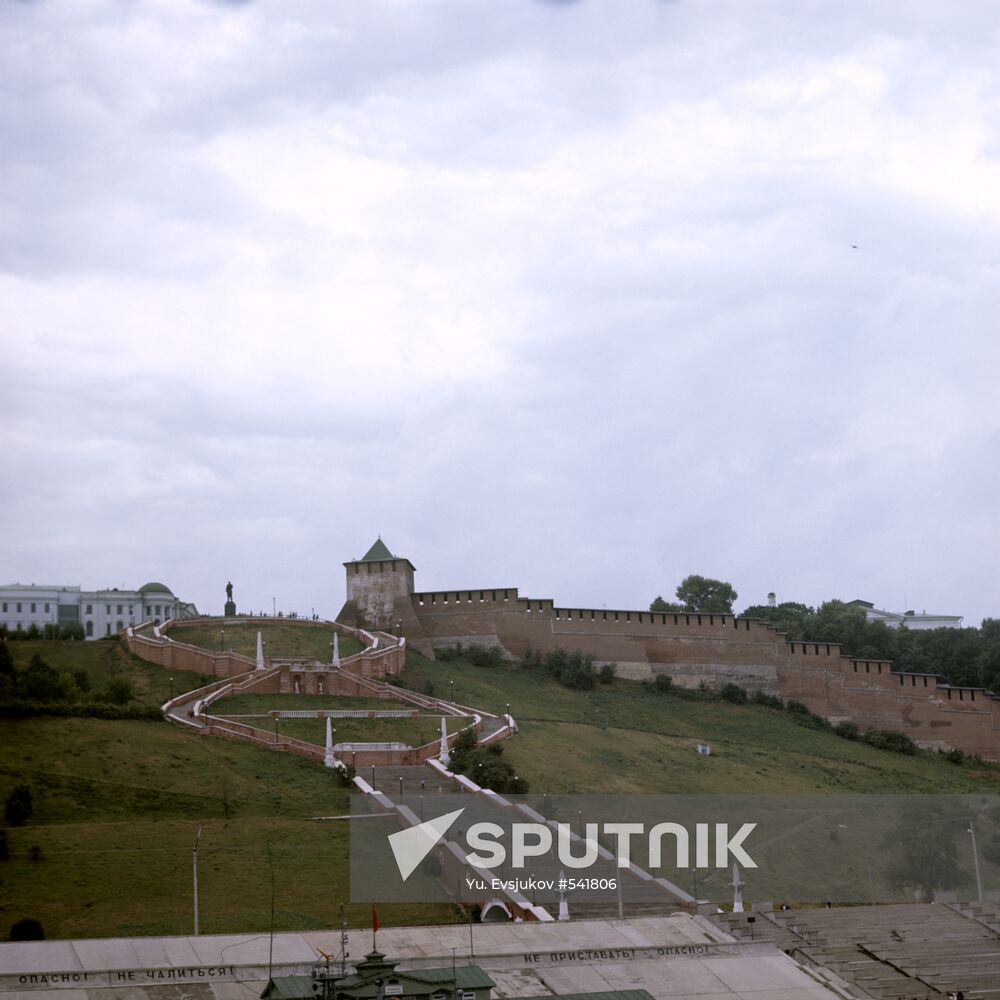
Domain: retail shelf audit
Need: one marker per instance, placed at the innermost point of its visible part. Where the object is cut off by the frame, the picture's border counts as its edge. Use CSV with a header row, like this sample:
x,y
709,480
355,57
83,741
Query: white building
x,y
908,619
100,612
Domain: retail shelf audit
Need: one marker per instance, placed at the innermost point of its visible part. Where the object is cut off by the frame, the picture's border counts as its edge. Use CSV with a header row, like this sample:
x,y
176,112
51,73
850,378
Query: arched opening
x,y
495,911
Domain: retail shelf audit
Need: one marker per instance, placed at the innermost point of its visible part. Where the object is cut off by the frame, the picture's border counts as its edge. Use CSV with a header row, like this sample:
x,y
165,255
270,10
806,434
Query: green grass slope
x,y
624,738
117,809
306,639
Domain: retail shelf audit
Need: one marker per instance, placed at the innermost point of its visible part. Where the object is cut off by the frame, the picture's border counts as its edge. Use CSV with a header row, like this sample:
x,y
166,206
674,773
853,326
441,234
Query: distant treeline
x,y
964,656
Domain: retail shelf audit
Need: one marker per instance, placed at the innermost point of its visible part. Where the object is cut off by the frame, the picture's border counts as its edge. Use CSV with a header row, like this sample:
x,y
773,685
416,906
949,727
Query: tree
x,y
8,679
119,691
26,930
39,682
925,855
659,604
19,806
700,593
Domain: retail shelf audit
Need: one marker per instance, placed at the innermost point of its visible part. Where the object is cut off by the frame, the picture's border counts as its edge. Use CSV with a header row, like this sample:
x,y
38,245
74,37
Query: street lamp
x,y
452,683
222,638
971,831
171,689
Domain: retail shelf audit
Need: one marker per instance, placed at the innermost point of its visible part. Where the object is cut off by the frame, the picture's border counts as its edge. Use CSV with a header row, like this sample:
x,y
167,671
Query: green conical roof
x,y
377,553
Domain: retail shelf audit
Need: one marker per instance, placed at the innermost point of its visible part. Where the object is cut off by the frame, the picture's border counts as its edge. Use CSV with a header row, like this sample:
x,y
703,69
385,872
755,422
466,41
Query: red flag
x,y
374,919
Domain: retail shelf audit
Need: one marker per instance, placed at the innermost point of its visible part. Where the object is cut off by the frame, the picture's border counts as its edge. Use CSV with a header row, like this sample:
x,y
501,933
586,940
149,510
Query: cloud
x,y
647,292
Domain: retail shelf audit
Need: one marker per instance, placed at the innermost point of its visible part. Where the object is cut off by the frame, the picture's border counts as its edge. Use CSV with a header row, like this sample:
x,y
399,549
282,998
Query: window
x,y
32,607
131,610
119,626
90,629
468,994
46,606
90,609
157,610
118,610
108,609
5,605
148,609
107,629
19,608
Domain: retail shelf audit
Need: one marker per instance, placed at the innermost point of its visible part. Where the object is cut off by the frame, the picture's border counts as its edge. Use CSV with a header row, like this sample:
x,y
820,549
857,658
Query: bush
x,y
26,930
346,775
606,673
35,853
733,693
119,691
955,756
19,806
484,656
661,683
847,730
39,682
770,700
889,739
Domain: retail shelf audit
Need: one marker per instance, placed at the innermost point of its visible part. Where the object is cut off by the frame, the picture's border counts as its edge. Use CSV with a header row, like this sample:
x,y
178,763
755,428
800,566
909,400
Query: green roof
x,y
288,988
157,588
377,553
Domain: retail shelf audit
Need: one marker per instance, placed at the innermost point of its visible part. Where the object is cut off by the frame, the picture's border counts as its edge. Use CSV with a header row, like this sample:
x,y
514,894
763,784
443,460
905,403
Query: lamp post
x,y
222,639
971,831
171,689
452,683
194,862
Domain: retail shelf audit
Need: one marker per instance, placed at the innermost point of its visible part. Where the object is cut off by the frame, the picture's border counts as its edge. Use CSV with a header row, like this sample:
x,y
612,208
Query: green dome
x,y
155,588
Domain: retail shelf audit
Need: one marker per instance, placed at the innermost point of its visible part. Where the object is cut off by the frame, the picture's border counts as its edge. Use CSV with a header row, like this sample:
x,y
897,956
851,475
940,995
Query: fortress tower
x,y
379,586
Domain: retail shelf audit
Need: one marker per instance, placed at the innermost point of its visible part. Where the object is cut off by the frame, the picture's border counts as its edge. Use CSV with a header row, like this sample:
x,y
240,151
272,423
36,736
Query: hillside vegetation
x,y
625,737
302,638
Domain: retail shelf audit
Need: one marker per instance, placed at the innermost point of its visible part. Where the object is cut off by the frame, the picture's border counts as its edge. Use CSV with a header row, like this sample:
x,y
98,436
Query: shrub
x,y
955,756
847,730
19,806
484,656
889,739
733,693
26,930
770,700
39,682
119,691
346,775
35,853
661,683
606,673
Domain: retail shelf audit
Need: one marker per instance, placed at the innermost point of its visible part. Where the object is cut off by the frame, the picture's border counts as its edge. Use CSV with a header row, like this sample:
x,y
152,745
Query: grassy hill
x,y
416,732
622,737
117,809
118,804
300,638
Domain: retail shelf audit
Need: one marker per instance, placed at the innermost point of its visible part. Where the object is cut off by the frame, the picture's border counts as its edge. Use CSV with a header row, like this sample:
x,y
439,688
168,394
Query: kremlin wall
x,y
693,649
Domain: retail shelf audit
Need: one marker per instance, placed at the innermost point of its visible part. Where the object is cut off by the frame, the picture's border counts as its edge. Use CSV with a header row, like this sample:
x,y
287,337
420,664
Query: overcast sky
x,y
577,297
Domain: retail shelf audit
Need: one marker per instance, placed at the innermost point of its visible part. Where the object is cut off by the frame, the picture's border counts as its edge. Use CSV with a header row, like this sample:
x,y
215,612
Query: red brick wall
x,y
714,649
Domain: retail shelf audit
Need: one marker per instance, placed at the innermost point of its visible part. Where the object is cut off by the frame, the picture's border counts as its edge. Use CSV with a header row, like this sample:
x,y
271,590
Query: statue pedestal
x,y
230,611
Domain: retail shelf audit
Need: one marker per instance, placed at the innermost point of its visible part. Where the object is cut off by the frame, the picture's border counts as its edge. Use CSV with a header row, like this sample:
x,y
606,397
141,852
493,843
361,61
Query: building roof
x,y
379,552
155,588
599,995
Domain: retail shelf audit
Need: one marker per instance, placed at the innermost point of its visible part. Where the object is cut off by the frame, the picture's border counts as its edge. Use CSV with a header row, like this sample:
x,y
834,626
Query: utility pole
x,y
971,831
194,859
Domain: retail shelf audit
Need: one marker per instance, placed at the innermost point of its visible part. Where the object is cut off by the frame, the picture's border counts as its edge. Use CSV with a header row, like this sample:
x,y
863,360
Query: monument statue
x,y
230,611
229,591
